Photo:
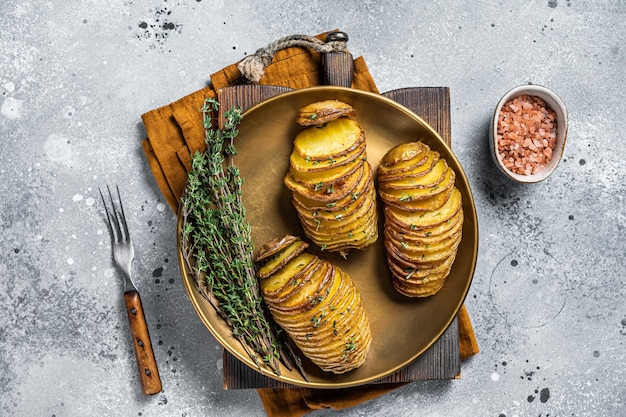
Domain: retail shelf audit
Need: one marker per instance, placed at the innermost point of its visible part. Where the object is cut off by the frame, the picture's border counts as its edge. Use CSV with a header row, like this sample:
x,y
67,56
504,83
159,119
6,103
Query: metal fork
x,y
123,255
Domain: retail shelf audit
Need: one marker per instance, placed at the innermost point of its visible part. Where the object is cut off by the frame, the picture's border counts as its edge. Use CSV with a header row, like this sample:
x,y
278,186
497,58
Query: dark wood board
x,y
442,360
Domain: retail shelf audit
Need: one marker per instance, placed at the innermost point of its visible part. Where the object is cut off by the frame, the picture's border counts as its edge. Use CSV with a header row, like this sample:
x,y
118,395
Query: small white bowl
x,y
555,103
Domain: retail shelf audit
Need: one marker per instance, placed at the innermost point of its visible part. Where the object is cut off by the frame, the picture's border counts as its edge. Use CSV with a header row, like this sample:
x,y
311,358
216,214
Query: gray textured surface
x,y
75,77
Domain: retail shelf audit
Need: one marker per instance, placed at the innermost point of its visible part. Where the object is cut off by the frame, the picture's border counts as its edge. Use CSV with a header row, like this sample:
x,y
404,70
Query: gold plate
x,y
402,328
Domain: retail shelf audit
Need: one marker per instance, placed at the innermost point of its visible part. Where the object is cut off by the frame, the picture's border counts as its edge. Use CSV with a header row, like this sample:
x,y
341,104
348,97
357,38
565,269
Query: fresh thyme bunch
x,y
217,244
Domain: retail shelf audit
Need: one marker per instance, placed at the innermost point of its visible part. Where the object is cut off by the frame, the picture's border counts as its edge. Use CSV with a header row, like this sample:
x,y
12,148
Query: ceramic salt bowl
x,y
553,102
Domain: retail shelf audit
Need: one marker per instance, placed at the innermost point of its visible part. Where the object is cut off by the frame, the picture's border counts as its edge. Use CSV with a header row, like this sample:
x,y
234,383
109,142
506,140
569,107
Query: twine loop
x,y
252,67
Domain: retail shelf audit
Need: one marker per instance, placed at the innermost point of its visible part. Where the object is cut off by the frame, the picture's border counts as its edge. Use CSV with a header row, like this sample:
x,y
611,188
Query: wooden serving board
x,y
442,360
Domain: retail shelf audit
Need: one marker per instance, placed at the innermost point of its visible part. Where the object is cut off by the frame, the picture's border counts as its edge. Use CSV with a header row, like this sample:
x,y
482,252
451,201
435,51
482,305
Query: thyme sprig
x,y
218,248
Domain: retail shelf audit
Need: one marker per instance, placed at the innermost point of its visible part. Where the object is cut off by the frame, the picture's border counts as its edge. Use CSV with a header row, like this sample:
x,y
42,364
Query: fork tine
x,y
108,214
113,217
123,216
116,220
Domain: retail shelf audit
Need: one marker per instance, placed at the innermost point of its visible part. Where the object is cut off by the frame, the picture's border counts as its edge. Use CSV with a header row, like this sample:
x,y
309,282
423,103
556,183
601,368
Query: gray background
x,y
75,76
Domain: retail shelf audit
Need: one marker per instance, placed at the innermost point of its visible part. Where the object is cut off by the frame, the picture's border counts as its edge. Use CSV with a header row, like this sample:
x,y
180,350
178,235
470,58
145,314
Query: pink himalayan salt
x,y
526,134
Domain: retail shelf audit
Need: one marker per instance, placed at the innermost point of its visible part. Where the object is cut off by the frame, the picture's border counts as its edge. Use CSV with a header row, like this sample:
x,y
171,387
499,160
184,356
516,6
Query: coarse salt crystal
x,y
533,127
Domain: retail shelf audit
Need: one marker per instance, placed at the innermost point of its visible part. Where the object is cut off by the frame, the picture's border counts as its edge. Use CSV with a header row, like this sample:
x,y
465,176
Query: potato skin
x,y
321,112
273,246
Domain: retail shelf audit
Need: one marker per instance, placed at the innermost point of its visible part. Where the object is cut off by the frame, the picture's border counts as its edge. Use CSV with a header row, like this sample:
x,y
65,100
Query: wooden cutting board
x,y
442,360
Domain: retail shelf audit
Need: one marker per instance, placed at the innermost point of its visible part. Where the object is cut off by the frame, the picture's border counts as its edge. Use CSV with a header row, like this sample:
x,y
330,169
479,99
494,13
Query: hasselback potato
x,y
331,181
423,217
316,303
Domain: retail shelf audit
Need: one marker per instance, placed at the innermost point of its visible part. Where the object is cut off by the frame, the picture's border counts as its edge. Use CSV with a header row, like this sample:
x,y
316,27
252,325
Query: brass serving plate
x,y
402,328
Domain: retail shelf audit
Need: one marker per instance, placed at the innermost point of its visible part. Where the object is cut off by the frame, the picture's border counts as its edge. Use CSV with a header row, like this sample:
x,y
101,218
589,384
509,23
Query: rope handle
x,y
252,67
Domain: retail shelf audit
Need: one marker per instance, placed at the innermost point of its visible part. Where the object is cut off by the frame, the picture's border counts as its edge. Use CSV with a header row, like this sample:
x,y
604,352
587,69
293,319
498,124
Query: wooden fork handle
x,y
146,363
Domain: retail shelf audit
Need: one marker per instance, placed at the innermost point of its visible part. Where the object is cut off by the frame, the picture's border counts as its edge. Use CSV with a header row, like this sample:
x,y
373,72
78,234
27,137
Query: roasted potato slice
x,y
326,193
324,111
429,179
272,247
347,231
407,270
408,262
332,327
307,295
426,219
305,165
353,236
431,256
425,204
413,194
419,239
414,279
339,219
332,297
285,274
420,252
424,232
332,215
370,235
316,179
403,158
423,289
309,271
364,185
274,263
417,169
333,140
